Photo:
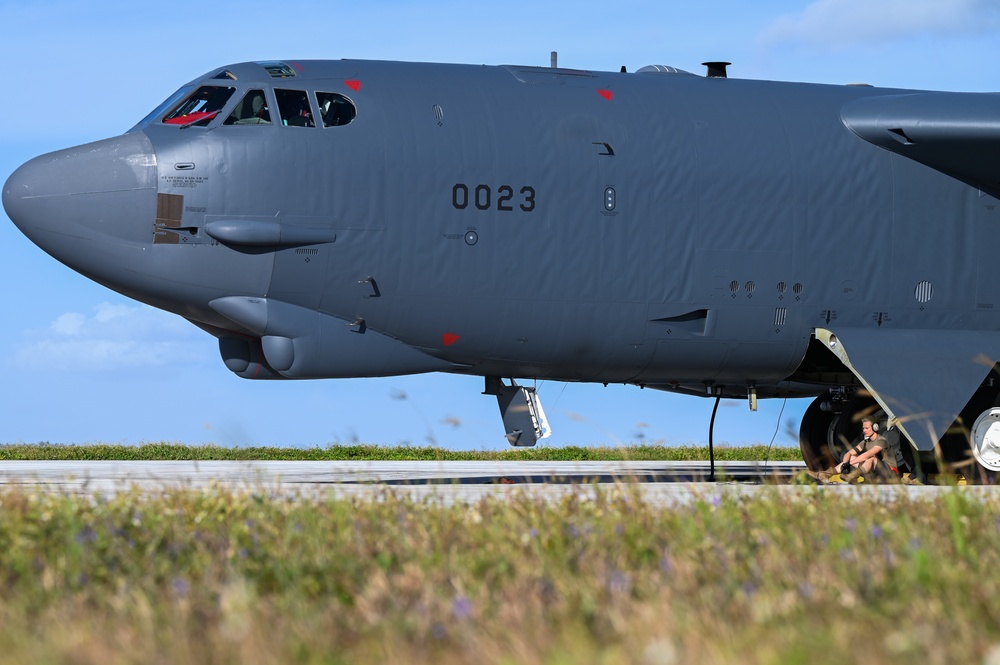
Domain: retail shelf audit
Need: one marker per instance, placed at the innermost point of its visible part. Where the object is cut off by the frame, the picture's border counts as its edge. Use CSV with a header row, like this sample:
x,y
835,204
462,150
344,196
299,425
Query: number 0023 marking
x,y
482,197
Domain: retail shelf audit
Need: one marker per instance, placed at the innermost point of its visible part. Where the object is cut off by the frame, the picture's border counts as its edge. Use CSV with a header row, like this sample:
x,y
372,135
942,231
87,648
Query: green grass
x,y
170,451
240,577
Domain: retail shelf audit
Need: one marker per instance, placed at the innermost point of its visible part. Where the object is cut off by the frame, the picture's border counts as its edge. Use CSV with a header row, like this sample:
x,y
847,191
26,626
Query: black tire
x,y
815,435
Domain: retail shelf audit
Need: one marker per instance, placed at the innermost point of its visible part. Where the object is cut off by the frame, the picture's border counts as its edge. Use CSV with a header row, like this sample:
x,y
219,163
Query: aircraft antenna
x,y
553,59
717,69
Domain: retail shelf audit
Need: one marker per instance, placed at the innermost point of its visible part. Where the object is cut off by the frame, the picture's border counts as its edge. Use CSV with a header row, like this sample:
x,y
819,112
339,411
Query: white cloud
x,y
113,336
70,323
840,23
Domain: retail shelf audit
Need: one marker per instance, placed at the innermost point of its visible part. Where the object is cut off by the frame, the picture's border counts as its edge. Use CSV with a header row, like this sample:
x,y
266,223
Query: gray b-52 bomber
x,y
698,234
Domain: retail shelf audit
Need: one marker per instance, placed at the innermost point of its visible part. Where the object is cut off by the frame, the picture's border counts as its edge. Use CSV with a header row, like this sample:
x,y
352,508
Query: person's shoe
x,y
852,476
806,478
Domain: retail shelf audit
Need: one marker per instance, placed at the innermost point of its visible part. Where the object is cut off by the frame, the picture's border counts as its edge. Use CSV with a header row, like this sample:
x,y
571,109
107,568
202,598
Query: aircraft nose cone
x,y
77,204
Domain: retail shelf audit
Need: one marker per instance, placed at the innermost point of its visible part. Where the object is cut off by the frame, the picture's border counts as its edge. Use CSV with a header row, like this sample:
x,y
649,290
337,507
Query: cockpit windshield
x,y
200,107
197,107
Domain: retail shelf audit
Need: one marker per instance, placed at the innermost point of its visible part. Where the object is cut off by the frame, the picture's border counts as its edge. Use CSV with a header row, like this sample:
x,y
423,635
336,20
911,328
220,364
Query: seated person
x,y
301,119
865,455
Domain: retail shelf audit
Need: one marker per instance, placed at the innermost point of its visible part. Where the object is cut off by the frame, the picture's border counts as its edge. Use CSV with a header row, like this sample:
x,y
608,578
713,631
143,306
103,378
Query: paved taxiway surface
x,y
449,482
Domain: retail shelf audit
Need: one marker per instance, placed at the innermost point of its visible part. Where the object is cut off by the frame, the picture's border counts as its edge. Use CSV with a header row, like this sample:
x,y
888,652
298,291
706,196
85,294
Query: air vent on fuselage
x,y
924,291
694,322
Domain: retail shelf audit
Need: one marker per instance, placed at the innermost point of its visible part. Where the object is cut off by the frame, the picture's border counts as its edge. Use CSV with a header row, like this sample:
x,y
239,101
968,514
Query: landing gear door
x,y
524,420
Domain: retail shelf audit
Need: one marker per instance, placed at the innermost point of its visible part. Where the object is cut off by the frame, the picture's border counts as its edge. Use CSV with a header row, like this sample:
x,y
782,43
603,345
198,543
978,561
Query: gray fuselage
x,y
656,228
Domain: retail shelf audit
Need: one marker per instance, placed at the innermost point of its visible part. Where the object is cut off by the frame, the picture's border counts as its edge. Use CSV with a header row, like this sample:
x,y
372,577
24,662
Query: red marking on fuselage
x,y
353,84
607,94
260,344
449,338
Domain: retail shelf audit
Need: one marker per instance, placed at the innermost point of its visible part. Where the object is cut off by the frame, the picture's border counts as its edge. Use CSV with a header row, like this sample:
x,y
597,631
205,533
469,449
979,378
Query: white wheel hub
x,y
986,439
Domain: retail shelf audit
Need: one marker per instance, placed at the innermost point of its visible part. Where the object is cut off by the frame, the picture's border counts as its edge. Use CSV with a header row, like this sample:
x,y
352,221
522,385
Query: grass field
x,y
242,576
170,451
238,577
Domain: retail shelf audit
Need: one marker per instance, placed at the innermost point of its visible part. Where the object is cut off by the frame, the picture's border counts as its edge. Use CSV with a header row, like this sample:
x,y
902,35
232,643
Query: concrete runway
x,y
448,482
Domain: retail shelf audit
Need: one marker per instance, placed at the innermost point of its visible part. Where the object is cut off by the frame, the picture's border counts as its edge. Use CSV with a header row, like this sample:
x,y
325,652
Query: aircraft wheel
x,y
816,435
985,439
969,447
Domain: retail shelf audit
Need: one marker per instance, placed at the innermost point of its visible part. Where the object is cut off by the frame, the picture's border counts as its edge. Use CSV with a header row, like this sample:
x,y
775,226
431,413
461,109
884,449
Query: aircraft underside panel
x,y
300,343
922,377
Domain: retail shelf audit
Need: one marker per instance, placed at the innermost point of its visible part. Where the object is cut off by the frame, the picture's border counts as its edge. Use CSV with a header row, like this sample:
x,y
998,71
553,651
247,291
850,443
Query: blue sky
x,y
83,364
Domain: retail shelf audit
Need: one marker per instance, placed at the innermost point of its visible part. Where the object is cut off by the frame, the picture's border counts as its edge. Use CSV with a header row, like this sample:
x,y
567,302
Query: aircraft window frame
x,y
278,70
343,113
167,103
294,107
200,107
239,116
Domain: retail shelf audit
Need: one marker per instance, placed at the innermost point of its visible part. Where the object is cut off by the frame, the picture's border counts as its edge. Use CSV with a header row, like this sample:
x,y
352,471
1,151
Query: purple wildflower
x,y
618,582
86,535
461,607
180,586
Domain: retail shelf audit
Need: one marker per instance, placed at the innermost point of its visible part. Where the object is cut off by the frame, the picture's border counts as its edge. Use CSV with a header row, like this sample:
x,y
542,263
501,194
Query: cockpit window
x,y
277,70
335,109
294,108
225,74
166,104
252,110
200,107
